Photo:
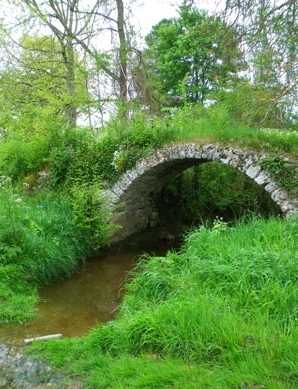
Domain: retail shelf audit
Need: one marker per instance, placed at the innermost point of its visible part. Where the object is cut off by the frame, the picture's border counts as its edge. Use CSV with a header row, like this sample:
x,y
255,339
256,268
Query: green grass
x,y
215,124
17,297
119,146
39,244
222,313
196,123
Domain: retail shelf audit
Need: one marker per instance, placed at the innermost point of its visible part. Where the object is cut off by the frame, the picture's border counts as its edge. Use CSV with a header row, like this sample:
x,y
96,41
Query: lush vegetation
x,y
198,195
39,243
76,114
77,165
221,313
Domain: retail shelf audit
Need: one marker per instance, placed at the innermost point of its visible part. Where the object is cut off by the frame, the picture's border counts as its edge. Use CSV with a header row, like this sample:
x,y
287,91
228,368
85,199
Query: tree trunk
x,y
122,52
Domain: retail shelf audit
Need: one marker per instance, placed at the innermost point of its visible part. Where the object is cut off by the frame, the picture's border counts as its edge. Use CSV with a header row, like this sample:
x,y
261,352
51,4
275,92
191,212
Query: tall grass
x,y
216,124
39,244
222,313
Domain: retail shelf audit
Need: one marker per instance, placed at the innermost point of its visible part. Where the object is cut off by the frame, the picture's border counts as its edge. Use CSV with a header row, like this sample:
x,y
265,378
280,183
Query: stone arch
x,y
135,190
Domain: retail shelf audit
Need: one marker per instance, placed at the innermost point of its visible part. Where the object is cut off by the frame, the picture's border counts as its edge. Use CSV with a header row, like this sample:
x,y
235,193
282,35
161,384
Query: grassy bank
x,y
195,123
222,313
40,243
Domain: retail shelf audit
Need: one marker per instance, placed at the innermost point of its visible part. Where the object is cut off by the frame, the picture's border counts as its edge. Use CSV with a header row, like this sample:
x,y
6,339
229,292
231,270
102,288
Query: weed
x,y
282,170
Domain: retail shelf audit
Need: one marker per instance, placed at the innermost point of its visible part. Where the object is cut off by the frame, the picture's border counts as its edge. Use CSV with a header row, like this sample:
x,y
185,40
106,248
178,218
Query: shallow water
x,y
72,306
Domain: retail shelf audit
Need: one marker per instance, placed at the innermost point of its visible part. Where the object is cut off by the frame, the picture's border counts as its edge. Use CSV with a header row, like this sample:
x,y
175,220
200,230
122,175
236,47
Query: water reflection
x,y
72,306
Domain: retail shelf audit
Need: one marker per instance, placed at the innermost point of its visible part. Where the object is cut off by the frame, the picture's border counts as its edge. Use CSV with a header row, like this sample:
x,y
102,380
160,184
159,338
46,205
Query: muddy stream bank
x,y
71,307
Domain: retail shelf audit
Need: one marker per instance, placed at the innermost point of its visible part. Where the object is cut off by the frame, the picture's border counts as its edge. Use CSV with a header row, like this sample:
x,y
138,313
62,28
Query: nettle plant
x,y
282,171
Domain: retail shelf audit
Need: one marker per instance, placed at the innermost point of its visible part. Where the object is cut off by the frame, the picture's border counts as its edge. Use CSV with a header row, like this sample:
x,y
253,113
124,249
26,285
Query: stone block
x,y
132,174
160,157
141,167
234,161
279,195
207,152
190,150
167,152
287,206
116,190
253,171
222,155
198,152
141,224
248,162
181,151
263,178
143,212
271,187
124,182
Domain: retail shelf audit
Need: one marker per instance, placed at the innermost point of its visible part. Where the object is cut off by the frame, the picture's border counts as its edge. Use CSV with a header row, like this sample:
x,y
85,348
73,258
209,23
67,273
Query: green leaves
x,y
196,50
283,171
35,90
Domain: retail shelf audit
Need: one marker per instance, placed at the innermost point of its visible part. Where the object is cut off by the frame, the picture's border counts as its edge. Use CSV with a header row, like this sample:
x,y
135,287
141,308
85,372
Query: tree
x,y
39,95
65,22
122,50
77,24
268,30
193,55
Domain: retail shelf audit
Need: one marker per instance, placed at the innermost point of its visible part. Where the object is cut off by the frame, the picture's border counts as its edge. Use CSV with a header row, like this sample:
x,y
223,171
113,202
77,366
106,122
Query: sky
x,y
149,12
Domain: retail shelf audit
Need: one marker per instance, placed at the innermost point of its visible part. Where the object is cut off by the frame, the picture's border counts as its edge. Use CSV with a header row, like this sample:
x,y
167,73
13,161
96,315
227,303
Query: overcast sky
x,y
150,12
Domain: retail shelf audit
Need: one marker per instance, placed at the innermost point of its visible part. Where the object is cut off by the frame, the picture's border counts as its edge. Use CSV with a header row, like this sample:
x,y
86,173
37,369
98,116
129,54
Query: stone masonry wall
x,y
134,193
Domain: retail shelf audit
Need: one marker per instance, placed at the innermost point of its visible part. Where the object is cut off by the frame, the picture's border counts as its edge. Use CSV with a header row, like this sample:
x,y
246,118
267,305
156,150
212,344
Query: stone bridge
x,y
135,191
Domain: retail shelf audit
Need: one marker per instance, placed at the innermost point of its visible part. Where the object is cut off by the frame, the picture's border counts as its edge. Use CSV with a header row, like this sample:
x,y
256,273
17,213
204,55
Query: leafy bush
x,y
91,212
283,171
25,151
18,157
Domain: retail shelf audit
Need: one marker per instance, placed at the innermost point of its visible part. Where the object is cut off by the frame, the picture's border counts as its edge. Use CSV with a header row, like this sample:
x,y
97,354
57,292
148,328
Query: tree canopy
x,y
192,55
68,58
40,93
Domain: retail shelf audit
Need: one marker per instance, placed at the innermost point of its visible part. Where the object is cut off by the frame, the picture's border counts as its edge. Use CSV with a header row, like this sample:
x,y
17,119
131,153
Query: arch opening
x,y
212,190
136,192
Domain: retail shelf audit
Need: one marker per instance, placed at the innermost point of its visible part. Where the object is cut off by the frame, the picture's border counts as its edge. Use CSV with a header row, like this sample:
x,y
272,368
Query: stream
x,y
71,307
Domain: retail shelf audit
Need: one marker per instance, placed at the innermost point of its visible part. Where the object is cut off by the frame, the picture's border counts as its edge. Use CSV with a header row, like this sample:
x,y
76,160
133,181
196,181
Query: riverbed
x,y
71,307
